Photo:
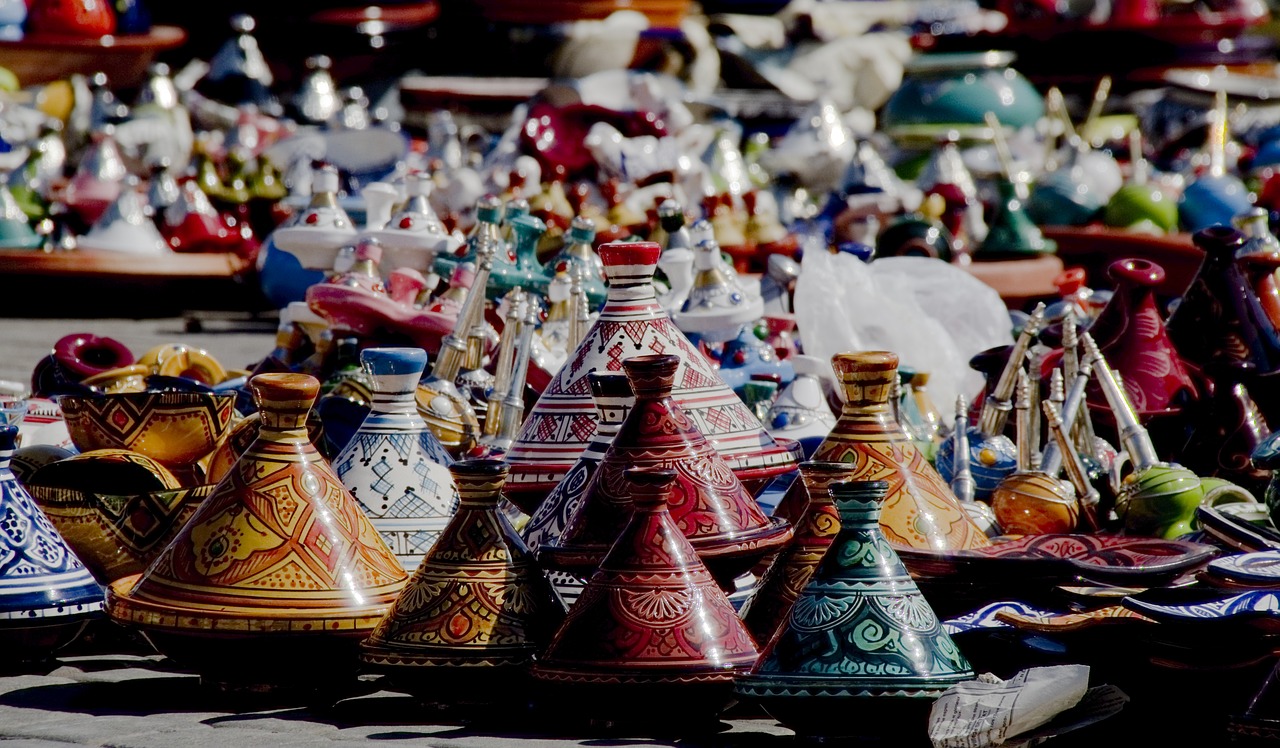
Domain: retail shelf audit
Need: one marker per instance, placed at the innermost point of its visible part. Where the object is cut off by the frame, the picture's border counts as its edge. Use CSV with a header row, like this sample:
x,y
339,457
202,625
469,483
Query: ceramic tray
x,y
1260,569
1243,526
1053,558
989,617
1260,609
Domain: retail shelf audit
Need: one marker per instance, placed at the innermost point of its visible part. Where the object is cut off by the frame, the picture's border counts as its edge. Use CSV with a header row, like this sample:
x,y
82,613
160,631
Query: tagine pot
x,y
720,519
920,511
476,612
789,573
46,595
1229,428
652,633
273,583
394,466
958,89
632,323
614,399
1131,333
862,653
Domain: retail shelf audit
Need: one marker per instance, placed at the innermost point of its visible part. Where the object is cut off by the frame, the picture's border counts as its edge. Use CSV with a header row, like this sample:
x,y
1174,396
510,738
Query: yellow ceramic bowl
x,y
114,471
177,360
175,428
125,379
118,535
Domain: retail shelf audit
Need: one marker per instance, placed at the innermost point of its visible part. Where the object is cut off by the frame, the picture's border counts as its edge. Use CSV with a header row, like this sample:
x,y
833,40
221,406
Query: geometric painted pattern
x,y
279,540
632,323
397,470
40,576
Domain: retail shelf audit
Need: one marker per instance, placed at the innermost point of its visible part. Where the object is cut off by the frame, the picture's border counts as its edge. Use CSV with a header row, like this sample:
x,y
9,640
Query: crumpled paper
x,y
985,711
934,315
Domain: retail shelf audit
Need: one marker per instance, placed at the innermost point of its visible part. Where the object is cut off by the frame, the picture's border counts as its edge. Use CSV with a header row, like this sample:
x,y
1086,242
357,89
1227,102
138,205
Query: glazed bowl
x,y
943,91
174,428
117,535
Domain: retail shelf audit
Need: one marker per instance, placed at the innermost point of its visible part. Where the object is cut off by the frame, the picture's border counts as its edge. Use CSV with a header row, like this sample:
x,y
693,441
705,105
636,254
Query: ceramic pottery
x,y
317,234
117,535
478,609
801,411
747,356
861,652
242,435
525,272
945,90
1228,429
920,510
791,570
1012,233
124,227
46,594
175,428
716,306
1035,503
632,323
394,466
613,397
27,460
1260,570
71,18
651,627
15,230
1221,316
1130,333
709,504
278,575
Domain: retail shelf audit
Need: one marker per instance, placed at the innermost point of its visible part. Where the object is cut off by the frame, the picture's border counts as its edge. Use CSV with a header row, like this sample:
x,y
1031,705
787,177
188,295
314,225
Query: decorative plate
x,y
989,617
1261,568
1242,526
1204,606
1053,558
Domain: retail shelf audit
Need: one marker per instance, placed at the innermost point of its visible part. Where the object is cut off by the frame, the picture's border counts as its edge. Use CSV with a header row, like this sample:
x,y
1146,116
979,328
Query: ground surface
x,y
234,340
125,701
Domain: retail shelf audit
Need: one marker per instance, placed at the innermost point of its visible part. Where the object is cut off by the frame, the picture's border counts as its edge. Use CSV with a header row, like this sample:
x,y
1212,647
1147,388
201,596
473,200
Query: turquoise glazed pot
x,y
862,654
959,89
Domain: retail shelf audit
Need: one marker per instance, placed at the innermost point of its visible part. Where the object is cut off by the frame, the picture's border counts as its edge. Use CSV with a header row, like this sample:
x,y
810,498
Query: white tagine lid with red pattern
x,y
632,323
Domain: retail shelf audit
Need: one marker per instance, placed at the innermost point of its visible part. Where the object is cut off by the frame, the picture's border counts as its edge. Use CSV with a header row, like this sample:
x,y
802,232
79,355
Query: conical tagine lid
x,y
816,528
920,510
280,544
40,576
708,503
652,612
632,323
394,466
478,598
860,628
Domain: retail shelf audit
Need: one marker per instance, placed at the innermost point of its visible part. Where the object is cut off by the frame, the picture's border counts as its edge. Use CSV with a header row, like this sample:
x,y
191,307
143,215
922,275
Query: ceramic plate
x,y
986,617
1183,606
1212,80
1262,567
1054,558
1239,526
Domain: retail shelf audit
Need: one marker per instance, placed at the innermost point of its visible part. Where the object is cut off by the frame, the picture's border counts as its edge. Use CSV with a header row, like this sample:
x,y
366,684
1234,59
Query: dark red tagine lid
x,y
708,502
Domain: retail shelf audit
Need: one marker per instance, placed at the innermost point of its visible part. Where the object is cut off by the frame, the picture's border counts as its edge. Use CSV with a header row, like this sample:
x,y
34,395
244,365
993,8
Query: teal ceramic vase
x,y
861,654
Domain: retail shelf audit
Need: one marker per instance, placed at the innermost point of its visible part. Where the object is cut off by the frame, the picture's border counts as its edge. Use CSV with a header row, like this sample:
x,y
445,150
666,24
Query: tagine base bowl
x,y
820,710
463,685
309,653
36,638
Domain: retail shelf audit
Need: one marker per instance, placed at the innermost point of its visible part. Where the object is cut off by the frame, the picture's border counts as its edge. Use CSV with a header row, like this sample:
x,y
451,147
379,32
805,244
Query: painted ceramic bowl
x,y
174,428
123,471
945,90
131,378
117,535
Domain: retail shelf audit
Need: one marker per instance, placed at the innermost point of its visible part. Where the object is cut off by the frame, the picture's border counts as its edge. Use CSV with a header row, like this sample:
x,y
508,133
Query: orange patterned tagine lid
x,y
816,527
709,504
920,511
651,627
478,608
278,575
632,323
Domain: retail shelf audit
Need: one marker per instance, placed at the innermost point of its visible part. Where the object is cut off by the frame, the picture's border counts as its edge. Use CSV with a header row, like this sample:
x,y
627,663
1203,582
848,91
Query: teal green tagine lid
x,y
861,640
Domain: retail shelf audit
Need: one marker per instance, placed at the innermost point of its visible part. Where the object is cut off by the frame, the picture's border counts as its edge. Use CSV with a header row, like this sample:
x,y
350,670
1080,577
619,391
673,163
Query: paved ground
x,y
235,340
125,701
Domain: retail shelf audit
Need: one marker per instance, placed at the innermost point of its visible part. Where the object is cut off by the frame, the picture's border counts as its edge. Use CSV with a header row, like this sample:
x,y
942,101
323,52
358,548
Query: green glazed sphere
x,y
1160,501
1139,203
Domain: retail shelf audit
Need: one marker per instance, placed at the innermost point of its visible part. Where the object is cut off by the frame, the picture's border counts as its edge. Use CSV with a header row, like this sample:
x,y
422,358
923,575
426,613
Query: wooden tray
x,y
123,58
